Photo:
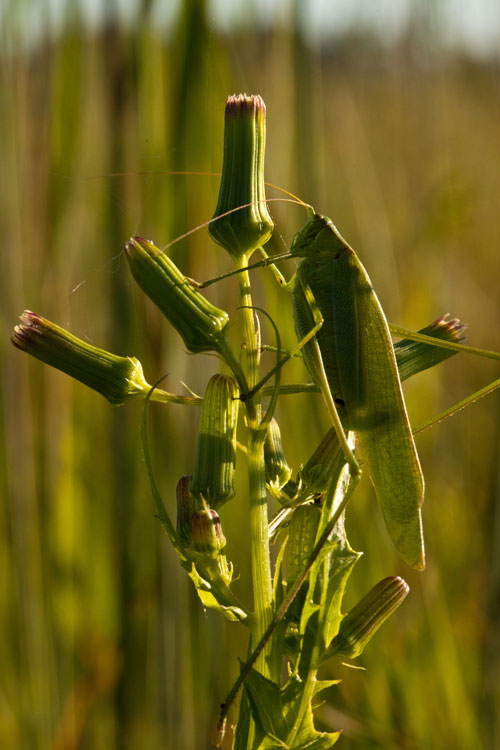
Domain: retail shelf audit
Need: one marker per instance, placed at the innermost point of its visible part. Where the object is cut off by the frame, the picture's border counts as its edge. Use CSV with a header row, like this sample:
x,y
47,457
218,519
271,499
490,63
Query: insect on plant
x,y
346,345
348,351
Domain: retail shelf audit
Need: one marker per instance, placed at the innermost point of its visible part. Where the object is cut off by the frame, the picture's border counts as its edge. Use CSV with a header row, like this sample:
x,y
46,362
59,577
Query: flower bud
x,y
117,378
201,324
186,506
207,537
215,462
362,622
415,356
277,470
242,182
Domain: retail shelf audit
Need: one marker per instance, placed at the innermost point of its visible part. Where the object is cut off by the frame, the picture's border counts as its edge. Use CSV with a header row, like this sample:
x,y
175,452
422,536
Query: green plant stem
x,y
164,397
250,335
259,530
259,533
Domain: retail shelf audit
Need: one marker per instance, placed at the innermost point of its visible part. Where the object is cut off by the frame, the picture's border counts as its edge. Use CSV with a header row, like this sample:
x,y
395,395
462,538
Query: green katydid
x,y
347,348
348,351
355,353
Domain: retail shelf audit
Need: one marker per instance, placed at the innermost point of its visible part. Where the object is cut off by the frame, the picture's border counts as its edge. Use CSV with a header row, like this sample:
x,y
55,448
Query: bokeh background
x,y
388,121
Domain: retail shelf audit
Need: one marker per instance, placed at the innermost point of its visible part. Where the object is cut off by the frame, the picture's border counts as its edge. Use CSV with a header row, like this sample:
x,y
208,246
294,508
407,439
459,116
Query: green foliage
x,y
279,715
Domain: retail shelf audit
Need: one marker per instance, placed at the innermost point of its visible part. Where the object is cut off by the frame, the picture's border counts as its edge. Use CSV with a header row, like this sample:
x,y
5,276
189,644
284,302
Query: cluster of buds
x,y
200,532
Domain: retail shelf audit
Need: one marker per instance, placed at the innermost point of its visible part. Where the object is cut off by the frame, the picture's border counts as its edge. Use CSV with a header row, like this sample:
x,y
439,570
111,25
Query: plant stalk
x,y
259,530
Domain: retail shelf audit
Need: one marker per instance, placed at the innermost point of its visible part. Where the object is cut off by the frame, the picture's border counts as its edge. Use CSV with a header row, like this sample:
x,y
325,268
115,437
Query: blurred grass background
x,y
103,643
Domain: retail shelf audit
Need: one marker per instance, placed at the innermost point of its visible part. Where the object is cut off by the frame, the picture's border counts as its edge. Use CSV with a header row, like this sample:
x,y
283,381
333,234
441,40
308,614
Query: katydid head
x,y
319,235
305,237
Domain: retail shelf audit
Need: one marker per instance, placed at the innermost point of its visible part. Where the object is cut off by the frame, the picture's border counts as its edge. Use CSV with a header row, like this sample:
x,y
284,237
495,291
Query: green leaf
x,y
307,736
278,640
323,741
243,726
320,685
278,577
275,712
212,599
320,616
342,561
333,567
265,700
268,742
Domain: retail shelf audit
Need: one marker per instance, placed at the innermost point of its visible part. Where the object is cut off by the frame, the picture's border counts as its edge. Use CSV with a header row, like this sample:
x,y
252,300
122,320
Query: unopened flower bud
x,y
277,470
117,378
215,462
242,182
201,324
206,532
186,506
363,620
415,356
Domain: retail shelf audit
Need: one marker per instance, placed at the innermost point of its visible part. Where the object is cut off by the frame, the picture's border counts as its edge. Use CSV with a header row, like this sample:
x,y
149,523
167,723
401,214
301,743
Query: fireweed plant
x,y
296,618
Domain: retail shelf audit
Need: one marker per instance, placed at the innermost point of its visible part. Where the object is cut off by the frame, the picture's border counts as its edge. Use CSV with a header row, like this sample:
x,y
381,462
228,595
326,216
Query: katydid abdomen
x,y
358,358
